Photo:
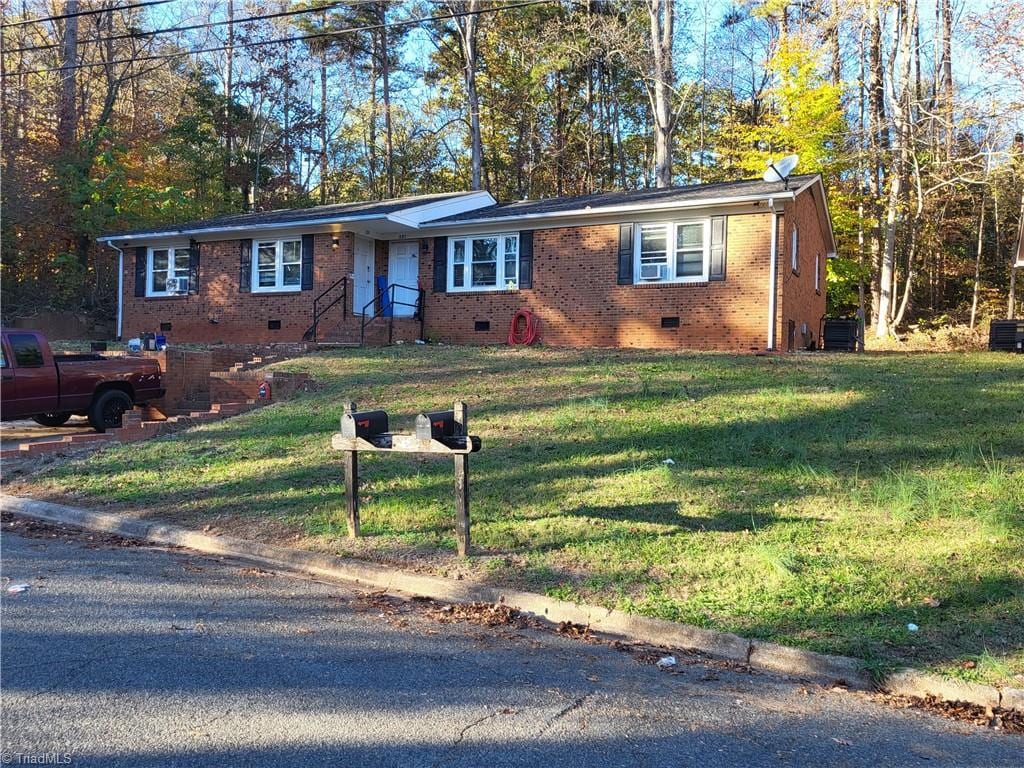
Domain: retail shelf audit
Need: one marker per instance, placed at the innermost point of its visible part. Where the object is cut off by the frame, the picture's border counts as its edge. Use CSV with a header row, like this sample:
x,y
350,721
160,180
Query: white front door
x,y
362,294
404,274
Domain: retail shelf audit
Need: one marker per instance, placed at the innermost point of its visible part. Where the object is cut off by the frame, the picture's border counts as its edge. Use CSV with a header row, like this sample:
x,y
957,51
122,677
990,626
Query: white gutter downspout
x,y
772,268
120,285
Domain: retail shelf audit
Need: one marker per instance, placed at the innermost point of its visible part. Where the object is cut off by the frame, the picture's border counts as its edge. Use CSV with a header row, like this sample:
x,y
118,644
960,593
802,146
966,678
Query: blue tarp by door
x,y
385,298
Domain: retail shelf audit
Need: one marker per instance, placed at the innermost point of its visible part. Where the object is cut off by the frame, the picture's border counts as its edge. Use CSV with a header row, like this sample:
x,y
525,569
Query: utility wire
x,y
89,12
141,33
280,40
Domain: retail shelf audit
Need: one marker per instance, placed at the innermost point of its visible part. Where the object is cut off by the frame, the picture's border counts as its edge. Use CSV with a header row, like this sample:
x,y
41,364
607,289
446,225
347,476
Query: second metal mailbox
x,y
434,426
364,424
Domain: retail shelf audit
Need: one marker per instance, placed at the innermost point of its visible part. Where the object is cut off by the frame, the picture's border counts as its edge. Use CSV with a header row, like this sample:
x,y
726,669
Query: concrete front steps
x,y
347,333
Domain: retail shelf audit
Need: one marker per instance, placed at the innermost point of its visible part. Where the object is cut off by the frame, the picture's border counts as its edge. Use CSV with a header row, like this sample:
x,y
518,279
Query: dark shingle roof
x,y
554,205
695,193
289,215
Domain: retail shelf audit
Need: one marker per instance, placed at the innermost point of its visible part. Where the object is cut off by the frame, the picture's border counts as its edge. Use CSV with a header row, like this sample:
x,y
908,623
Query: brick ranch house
x,y
732,266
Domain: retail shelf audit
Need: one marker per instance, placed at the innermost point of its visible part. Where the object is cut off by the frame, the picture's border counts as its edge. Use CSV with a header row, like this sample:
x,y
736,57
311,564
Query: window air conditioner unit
x,y
652,271
177,285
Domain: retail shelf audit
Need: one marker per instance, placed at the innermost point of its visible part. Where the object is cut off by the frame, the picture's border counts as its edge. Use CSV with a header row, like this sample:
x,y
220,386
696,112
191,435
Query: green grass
x,y
819,501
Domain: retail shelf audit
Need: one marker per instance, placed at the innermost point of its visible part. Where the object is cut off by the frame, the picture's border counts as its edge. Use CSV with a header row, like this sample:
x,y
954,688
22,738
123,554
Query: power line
x,y
207,25
281,40
89,12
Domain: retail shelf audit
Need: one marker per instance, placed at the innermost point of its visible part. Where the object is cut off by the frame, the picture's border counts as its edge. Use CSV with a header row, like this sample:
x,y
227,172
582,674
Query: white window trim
x,y
794,248
279,286
671,237
817,272
150,293
502,280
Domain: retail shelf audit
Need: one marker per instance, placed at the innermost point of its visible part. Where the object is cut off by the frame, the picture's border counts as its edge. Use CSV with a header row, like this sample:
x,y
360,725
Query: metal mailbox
x,y
438,433
436,425
365,424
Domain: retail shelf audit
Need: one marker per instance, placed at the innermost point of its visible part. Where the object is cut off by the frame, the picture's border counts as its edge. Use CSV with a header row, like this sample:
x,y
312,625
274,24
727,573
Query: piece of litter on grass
x,y
912,627
931,602
669,461
667,661
16,588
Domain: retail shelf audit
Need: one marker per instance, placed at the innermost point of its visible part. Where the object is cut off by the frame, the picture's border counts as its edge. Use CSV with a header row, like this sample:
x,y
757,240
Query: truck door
x,y
29,384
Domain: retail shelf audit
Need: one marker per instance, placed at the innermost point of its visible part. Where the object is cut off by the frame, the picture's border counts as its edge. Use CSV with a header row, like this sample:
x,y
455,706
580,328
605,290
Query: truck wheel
x,y
108,408
51,419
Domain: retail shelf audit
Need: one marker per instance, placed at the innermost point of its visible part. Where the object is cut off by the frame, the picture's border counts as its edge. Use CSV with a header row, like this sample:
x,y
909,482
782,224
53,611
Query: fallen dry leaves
x,y
990,717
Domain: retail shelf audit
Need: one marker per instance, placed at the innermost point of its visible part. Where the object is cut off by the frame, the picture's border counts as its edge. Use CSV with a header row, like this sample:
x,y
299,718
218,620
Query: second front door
x,y
404,274
362,295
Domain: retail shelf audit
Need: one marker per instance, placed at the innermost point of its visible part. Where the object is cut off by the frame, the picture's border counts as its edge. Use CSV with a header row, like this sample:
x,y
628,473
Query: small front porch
x,y
378,301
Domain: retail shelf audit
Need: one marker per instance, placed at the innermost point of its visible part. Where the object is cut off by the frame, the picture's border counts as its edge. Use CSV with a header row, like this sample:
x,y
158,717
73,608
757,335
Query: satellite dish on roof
x,y
781,170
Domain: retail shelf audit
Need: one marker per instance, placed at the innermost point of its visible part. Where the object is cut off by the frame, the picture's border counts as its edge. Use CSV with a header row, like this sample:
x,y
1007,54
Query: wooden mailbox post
x,y
437,433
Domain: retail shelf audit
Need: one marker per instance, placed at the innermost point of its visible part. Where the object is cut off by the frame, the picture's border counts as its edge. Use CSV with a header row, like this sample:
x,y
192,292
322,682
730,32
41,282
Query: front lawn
x,y
819,501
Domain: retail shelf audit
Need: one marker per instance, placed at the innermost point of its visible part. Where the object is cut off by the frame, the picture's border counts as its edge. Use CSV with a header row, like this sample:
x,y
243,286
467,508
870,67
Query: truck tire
x,y
51,419
108,408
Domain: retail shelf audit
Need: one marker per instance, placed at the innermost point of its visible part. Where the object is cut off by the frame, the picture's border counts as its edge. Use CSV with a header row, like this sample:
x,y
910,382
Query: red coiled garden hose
x,y
531,328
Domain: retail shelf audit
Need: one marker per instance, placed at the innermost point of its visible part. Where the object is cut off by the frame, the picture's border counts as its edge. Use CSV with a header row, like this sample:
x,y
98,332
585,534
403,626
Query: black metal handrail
x,y
319,312
418,310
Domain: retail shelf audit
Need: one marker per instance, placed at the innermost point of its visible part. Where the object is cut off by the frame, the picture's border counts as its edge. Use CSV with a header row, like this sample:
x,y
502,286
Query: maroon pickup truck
x,y
51,388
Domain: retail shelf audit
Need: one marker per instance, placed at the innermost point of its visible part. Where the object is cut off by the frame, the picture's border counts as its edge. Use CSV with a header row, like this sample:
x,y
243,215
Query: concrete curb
x,y
757,654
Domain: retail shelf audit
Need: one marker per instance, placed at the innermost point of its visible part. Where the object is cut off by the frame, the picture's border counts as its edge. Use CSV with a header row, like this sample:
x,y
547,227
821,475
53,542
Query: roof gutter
x,y
239,228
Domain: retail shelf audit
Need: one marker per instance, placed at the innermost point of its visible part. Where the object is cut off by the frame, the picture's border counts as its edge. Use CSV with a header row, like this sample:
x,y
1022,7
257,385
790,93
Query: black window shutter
x,y
140,270
307,262
625,254
440,264
717,271
526,259
245,266
193,267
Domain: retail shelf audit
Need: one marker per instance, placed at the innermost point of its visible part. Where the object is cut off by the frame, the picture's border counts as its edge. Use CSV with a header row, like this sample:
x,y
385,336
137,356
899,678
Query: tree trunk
x,y
946,75
661,16
67,111
467,27
1011,308
836,68
878,142
559,134
229,131
372,141
901,125
385,72
977,264
323,117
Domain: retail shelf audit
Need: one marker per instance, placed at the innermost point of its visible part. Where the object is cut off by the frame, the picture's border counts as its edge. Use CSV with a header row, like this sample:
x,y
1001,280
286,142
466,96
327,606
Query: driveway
x,y
129,655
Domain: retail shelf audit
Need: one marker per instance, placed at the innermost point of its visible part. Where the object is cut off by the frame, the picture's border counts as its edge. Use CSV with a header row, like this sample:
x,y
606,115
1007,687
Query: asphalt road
x,y
131,656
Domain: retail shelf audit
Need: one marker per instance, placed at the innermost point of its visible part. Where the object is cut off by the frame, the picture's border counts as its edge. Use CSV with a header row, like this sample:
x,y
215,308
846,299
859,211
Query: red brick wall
x,y
576,296
240,317
800,303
